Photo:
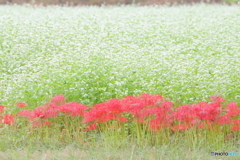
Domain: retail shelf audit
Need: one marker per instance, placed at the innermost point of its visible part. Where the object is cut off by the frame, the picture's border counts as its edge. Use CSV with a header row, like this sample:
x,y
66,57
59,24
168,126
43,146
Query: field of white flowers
x,y
92,54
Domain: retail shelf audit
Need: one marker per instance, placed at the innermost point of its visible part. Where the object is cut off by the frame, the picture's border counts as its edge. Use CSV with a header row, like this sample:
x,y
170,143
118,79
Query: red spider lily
x,y
73,109
51,112
103,112
217,99
235,128
58,100
1,109
185,114
27,114
134,108
155,125
135,105
122,119
113,105
224,120
132,104
150,100
45,114
236,122
161,111
233,109
39,114
205,111
145,112
8,119
146,109
158,124
90,116
45,111
110,116
21,104
41,108
140,107
179,127
90,127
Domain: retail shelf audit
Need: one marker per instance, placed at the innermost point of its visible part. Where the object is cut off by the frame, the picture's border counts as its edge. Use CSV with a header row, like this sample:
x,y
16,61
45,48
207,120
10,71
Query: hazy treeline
x,y
107,2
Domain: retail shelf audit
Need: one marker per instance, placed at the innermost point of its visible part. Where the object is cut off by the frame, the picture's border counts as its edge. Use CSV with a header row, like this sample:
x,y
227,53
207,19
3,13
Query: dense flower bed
x,y
153,111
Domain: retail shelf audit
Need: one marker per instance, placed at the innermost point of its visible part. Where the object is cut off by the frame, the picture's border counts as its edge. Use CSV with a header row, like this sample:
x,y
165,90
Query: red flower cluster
x,y
130,108
204,115
153,111
1,109
56,107
21,104
8,119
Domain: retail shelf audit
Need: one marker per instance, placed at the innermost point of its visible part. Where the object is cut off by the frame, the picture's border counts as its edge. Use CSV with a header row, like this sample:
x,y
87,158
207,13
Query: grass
x,y
93,54
131,153
127,152
20,146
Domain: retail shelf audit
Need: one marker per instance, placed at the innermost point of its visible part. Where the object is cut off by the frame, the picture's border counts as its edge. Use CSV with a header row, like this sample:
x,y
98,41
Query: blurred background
x,y
112,2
